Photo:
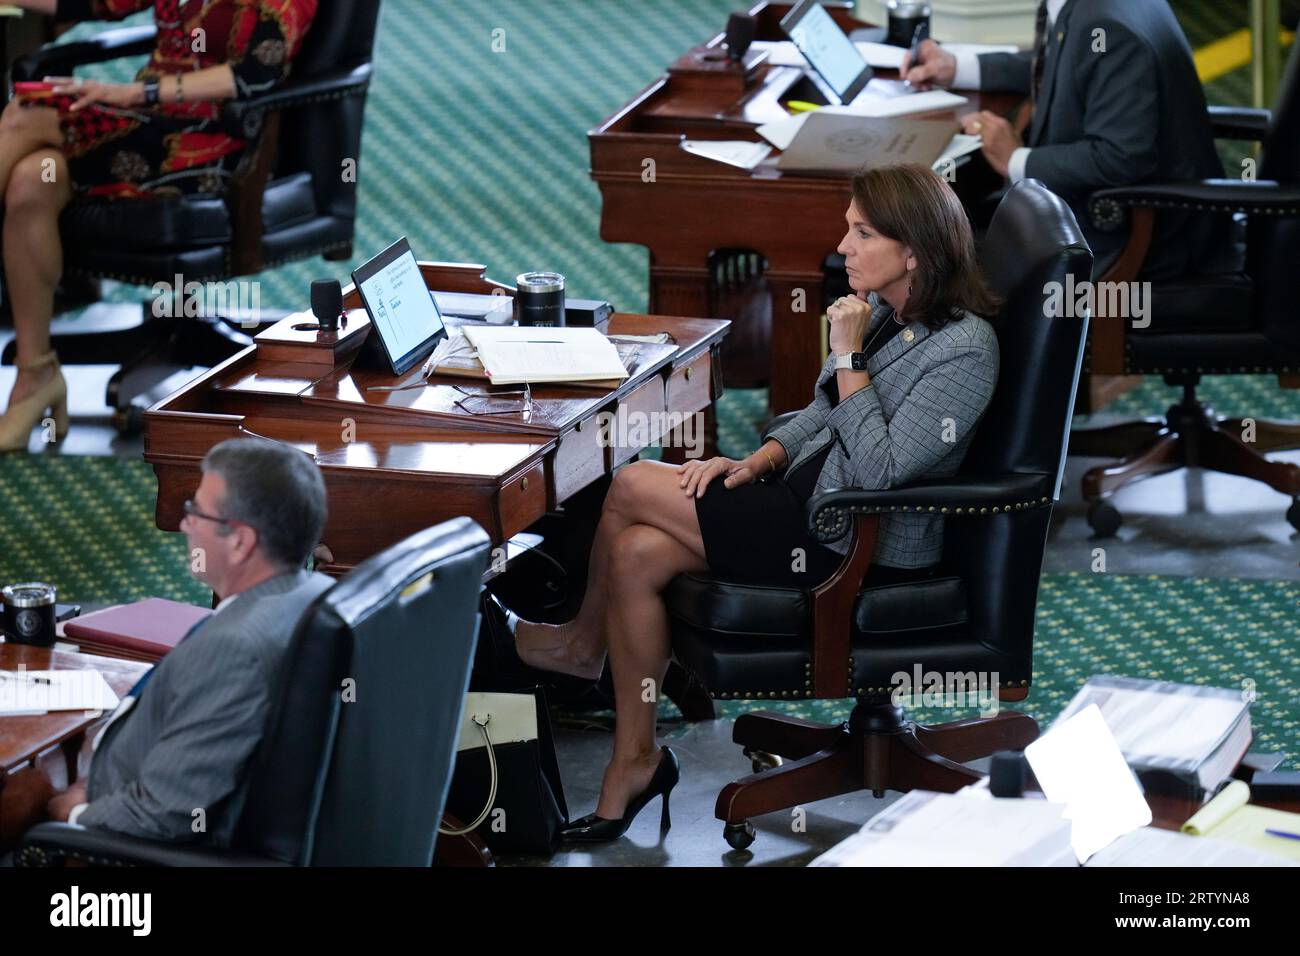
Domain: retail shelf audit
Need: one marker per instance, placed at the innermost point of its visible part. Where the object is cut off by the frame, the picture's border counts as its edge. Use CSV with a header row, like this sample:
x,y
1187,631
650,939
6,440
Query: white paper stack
x,y
514,355
39,692
1171,733
739,152
958,829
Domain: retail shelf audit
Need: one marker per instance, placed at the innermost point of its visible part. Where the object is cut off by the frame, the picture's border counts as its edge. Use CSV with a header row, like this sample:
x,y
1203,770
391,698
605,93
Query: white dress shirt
x,y
968,78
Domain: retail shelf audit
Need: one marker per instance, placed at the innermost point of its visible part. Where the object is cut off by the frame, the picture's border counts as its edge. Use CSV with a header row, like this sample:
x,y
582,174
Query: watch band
x,y
853,361
150,92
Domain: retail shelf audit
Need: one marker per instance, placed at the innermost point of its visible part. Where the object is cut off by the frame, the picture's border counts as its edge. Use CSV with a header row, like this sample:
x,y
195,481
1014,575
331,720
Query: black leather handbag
x,y
507,784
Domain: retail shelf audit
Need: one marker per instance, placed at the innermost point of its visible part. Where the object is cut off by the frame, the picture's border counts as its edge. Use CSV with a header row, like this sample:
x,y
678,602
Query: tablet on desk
x,y
840,72
402,309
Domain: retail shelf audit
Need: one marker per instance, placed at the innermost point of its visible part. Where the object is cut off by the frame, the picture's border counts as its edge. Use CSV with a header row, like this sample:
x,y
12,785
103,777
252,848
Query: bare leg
x,y
36,193
23,130
645,559
647,493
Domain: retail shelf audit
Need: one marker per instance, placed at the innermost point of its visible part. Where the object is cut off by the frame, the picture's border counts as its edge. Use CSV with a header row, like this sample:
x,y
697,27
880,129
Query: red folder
x,y
143,631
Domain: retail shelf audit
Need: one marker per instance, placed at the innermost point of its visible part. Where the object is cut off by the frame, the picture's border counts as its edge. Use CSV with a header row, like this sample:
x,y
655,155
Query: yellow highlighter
x,y
801,106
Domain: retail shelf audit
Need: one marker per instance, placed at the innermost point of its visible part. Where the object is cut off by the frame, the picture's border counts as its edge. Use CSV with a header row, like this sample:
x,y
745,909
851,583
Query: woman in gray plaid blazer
x,y
911,370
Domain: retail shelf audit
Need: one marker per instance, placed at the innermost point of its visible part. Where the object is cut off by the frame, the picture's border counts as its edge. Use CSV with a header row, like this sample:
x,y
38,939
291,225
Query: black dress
x,y
758,533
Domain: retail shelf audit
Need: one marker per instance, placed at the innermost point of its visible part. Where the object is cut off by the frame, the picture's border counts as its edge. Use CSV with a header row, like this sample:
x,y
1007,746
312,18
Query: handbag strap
x,y
492,793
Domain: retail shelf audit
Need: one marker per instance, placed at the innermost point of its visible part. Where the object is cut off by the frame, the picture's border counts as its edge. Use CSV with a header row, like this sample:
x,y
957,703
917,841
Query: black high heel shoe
x,y
502,634
595,829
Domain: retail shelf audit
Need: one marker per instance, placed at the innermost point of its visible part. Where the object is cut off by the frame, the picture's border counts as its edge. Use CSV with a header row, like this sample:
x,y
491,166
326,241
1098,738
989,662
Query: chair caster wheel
x,y
1104,519
1293,514
739,835
760,760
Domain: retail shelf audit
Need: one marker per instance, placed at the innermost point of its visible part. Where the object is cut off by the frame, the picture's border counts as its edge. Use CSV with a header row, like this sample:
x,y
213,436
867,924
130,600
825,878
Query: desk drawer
x,y
689,386
578,461
639,416
522,500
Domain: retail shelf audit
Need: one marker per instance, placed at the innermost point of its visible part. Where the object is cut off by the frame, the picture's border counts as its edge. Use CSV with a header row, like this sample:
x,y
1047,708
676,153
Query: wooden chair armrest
x,y
833,613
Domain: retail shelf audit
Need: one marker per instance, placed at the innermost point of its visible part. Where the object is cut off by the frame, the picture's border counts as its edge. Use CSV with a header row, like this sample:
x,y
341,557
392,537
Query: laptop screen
x,y
402,310
827,49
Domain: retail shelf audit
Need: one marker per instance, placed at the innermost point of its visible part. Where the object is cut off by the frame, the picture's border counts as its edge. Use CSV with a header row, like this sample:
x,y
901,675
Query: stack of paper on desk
x,y
39,692
741,153
782,132
958,829
1177,737
536,354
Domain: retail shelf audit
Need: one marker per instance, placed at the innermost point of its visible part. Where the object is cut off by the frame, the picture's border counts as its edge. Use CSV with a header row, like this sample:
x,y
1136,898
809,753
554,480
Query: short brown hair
x,y
913,205
277,490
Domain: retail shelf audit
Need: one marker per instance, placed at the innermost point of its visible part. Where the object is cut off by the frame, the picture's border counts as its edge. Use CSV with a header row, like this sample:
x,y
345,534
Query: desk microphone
x,y
1008,773
741,28
327,303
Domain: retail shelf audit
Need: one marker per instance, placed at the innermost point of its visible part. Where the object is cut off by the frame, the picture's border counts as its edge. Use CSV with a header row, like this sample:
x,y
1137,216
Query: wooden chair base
x,y
1190,436
877,749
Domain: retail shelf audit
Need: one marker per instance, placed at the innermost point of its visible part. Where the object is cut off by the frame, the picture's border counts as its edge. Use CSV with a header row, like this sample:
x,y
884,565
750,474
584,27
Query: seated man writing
x,y
1116,102
170,764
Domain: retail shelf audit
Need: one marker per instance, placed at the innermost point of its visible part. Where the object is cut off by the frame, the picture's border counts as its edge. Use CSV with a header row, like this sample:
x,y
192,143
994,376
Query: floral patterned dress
x,y
179,148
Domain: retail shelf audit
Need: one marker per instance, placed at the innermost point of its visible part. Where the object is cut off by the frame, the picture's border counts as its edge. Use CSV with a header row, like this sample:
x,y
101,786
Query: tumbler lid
x,y
540,282
31,594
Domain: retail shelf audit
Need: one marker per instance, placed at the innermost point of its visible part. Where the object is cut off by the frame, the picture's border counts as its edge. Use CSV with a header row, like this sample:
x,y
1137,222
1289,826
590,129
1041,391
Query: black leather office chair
x,y
355,783
290,199
839,641
1238,320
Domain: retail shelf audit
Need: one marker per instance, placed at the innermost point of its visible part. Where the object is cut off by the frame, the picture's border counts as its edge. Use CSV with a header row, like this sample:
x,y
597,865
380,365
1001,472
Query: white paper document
x,y
961,145
742,153
1078,763
781,133
40,692
513,355
1149,846
958,829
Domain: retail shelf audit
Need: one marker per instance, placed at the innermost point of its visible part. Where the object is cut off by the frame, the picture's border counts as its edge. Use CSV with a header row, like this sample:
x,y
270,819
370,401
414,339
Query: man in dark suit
x,y
1117,102
170,764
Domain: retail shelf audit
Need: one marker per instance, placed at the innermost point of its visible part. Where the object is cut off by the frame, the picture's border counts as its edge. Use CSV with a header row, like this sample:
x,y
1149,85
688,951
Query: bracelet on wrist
x,y
768,456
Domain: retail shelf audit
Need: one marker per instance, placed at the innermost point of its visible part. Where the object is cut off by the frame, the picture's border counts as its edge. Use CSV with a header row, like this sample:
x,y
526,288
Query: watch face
x,y
859,360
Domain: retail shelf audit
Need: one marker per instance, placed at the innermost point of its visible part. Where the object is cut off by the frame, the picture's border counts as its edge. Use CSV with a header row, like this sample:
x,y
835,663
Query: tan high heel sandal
x,y
22,416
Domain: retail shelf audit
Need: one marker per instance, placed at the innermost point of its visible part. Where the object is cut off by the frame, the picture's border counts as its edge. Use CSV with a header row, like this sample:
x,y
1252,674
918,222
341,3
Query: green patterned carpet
x,y
482,156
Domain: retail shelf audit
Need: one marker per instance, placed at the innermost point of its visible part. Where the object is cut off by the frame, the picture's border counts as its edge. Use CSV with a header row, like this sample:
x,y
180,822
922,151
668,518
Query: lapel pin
x,y
908,335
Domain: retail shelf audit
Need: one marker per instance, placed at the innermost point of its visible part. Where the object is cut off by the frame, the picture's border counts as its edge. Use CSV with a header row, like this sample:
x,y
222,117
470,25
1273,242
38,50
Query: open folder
x,y
514,355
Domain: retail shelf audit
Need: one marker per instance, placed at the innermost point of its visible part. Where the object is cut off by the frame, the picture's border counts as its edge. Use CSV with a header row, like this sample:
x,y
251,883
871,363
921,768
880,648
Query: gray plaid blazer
x,y
186,743
928,391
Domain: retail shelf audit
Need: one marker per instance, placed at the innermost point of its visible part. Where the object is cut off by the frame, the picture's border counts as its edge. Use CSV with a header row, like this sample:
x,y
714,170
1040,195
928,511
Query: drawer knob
x,y
689,370
524,484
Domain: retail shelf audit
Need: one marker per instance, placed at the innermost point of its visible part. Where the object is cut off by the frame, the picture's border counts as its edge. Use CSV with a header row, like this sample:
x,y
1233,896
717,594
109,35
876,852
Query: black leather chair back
x,y
1032,240
1273,242
342,35
360,749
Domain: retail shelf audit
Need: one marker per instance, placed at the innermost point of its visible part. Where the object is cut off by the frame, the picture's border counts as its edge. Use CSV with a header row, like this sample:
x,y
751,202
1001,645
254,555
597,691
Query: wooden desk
x,y
693,208
38,754
397,462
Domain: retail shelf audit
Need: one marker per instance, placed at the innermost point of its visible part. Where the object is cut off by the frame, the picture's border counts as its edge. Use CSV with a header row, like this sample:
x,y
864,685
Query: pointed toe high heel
x,y
22,416
596,829
567,685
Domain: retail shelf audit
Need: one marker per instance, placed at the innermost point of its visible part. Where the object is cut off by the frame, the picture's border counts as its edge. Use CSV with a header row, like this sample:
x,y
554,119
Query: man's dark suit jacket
x,y
1132,114
185,745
